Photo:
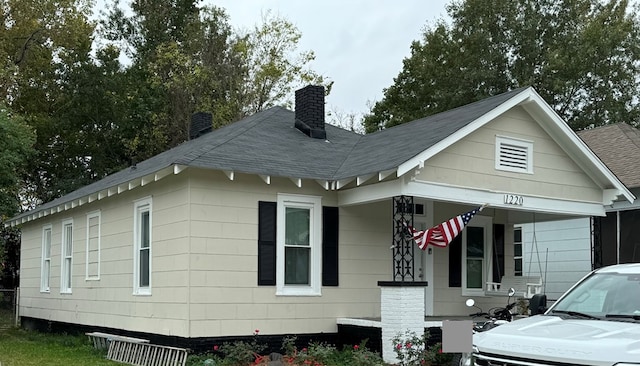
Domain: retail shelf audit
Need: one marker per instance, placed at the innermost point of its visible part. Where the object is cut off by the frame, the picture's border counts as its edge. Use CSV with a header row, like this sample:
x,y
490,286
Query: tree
x,y
188,59
582,56
16,148
274,67
44,42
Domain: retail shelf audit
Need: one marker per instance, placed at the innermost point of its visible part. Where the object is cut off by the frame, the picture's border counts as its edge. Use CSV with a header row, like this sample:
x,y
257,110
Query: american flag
x,y
443,234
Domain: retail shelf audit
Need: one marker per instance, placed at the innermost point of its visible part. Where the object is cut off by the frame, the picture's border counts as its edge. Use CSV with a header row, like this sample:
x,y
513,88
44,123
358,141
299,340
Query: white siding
x,y
204,257
109,301
225,298
559,250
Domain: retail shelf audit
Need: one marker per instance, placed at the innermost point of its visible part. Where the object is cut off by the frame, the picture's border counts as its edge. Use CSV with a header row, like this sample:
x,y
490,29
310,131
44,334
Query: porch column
x,y
401,310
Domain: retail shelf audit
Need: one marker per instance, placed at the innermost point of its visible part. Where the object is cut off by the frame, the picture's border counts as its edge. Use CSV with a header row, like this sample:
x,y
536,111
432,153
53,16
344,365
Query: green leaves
x,y
16,147
582,56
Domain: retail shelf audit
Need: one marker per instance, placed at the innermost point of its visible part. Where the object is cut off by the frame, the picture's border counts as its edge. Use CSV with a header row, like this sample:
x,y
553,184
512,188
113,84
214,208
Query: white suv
x,y
596,322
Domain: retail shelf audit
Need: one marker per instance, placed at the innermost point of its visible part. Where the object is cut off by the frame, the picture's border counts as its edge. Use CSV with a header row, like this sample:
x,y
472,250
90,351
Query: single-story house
x,y
287,225
564,251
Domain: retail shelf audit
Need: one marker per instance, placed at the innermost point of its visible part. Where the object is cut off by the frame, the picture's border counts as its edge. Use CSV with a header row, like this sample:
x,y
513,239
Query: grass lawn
x,y
26,348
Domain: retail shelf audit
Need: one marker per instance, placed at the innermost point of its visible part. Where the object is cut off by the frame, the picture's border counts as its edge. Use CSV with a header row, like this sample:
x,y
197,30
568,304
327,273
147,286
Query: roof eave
x,y
555,126
65,205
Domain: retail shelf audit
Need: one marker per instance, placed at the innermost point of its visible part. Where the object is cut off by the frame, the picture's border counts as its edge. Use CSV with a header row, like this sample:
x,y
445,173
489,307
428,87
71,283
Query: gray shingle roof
x,y
618,146
267,143
387,149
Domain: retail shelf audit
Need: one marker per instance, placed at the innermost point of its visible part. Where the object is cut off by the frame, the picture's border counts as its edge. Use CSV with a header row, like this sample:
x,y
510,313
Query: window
x,y
45,269
92,270
298,244
476,255
142,247
67,256
514,155
517,250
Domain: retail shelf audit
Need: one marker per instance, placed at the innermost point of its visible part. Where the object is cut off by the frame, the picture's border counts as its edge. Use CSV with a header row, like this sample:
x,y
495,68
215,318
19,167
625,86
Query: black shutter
x,y
455,262
498,252
629,236
266,243
330,246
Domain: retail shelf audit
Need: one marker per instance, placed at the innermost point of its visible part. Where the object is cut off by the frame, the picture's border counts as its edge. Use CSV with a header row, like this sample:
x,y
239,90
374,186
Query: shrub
x,y
413,350
315,354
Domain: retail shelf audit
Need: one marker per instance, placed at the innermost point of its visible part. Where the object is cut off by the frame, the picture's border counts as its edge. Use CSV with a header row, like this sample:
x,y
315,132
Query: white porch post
x,y
401,309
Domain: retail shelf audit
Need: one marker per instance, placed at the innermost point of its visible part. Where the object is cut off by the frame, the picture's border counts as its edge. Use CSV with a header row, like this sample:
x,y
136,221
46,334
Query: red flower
x,y
356,347
398,346
256,331
216,347
408,345
304,349
440,350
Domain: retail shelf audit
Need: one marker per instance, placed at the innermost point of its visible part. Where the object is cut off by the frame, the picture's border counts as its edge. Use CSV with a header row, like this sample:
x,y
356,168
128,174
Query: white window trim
x,y
485,222
43,288
91,215
140,206
314,203
64,289
525,144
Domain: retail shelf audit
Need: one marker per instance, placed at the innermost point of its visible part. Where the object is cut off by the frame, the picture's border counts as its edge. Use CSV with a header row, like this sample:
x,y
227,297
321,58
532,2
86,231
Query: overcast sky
x,y
359,44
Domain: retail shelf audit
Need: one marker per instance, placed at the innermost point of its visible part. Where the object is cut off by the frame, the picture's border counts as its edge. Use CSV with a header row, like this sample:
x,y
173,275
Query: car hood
x,y
553,338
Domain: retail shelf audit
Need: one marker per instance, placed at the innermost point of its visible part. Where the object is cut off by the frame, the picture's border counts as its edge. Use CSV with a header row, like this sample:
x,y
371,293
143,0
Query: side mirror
x,y
538,304
470,302
512,291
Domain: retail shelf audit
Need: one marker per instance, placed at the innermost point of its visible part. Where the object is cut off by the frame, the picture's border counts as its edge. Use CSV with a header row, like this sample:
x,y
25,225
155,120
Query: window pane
x,y
474,273
45,275
518,264
144,229
47,244
144,268
517,235
67,274
475,242
296,271
517,250
297,226
68,240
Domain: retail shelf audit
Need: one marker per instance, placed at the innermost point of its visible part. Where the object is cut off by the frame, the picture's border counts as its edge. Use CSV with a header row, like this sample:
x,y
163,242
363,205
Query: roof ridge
x,y
236,132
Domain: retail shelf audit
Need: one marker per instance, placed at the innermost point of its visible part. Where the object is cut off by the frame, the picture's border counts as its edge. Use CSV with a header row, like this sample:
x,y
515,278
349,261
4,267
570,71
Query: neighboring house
x,y
565,251
281,223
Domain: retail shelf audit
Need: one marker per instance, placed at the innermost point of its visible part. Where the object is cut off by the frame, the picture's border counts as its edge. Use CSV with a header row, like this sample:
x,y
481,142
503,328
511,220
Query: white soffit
x,y
107,192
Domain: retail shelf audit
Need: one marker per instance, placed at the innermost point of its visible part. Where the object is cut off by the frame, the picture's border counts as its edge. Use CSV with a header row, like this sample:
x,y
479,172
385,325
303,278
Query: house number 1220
x,y
512,199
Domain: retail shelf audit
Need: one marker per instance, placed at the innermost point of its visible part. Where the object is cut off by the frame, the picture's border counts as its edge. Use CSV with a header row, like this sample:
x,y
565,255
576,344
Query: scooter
x,y
494,317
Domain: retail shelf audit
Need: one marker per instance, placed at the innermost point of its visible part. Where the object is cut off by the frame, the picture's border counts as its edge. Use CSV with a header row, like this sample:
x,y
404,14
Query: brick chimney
x,y
201,123
310,111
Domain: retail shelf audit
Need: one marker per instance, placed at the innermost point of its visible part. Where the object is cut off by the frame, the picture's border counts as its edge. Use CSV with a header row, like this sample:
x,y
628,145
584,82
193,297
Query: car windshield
x,y
603,295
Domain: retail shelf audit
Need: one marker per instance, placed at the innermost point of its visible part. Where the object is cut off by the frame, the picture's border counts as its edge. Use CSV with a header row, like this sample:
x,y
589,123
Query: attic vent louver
x,y
514,155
